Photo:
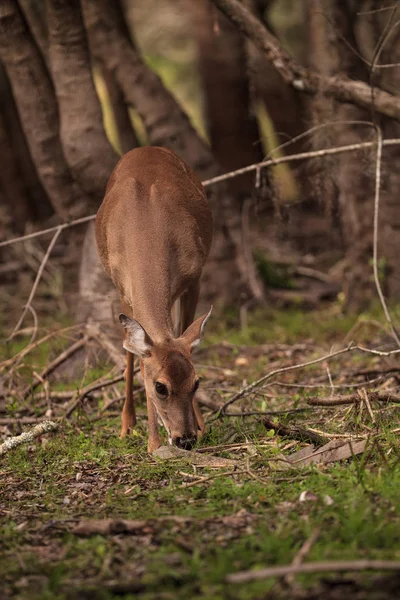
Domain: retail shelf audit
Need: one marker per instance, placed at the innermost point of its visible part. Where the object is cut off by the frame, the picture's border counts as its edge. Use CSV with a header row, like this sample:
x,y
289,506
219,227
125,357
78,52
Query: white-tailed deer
x,y
154,232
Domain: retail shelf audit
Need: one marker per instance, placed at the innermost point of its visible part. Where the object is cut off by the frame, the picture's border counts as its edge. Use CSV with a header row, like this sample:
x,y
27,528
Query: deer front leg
x,y
128,411
154,436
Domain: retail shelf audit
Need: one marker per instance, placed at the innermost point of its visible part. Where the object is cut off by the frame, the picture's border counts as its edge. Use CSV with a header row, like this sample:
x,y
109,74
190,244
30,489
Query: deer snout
x,y
186,443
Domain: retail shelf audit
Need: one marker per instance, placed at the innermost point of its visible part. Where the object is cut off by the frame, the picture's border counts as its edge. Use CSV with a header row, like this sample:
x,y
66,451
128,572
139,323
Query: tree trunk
x,y
35,16
167,125
230,117
37,107
126,134
90,155
11,183
285,105
333,22
389,217
86,147
28,201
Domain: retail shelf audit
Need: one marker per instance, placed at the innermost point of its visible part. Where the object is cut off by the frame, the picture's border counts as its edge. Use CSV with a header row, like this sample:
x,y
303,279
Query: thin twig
x,y
36,234
314,567
302,553
6,364
353,399
294,432
21,420
54,364
36,282
249,388
226,176
91,388
376,231
210,477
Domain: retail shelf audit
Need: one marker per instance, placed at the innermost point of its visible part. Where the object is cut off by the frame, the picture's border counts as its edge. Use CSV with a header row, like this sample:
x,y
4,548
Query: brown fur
x,y
154,231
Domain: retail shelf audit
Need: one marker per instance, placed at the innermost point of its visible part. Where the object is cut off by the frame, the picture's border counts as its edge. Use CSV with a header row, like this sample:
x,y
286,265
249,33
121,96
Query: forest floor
x,y
84,514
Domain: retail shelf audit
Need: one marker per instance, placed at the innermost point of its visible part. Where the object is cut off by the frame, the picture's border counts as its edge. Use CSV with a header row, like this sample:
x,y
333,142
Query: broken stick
x,y
28,436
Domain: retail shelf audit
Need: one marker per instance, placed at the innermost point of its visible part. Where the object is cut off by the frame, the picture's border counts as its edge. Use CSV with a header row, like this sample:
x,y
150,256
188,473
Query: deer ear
x,y
194,333
137,341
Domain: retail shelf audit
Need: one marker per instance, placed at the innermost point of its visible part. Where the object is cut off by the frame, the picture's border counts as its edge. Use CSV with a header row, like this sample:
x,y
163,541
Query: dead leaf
x,y
330,452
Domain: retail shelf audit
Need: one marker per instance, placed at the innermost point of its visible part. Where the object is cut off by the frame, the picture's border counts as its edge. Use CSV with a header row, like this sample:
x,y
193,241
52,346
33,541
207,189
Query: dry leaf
x,y
330,452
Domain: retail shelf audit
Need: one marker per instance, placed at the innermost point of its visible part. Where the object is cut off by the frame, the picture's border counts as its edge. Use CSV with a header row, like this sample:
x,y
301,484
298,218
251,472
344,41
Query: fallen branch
x,y
28,436
54,364
314,567
295,433
79,397
256,384
341,400
10,362
249,388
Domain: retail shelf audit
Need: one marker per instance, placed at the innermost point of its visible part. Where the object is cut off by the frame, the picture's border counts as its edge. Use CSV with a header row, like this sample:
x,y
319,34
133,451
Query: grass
x,y
238,521
361,520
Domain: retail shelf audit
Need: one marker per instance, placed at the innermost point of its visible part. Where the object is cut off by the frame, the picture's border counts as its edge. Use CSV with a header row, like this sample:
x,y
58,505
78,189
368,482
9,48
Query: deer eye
x,y
161,389
196,385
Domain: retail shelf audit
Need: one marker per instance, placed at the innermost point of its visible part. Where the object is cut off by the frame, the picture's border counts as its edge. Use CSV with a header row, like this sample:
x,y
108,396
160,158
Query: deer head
x,y
169,376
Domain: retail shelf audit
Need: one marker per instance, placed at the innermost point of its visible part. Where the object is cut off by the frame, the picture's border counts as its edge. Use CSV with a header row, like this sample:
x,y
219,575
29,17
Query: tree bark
x,y
35,16
11,183
304,80
26,198
165,122
89,154
37,107
389,222
87,149
284,104
230,116
126,134
354,184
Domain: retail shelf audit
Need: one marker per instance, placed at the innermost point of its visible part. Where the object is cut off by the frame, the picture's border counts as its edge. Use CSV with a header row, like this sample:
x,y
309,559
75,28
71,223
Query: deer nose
x,y
186,443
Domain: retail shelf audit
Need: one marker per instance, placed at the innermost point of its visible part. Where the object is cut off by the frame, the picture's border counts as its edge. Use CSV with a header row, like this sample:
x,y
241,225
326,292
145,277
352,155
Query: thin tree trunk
x,y
35,16
126,134
86,147
32,204
90,155
285,105
230,117
354,183
165,122
11,183
37,107
389,222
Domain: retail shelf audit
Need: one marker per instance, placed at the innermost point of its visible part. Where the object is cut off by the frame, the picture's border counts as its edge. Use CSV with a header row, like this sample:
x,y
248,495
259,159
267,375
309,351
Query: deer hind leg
x,y
128,411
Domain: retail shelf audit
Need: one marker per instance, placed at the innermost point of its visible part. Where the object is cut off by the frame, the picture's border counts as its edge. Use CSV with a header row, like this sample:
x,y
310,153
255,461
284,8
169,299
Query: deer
x,y
153,234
